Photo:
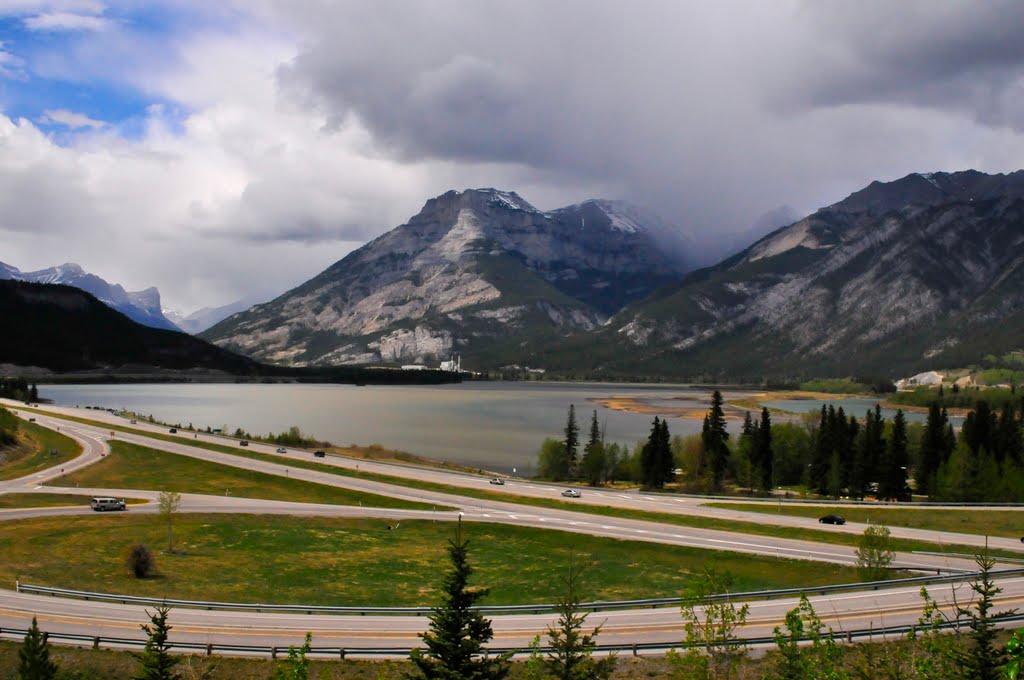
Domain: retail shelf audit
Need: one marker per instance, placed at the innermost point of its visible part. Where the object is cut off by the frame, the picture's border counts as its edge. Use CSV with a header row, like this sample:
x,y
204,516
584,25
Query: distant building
x,y
455,365
926,378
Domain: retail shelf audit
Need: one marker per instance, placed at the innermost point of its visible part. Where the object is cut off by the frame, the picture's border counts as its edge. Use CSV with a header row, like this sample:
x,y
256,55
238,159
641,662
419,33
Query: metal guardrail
x,y
342,652
653,602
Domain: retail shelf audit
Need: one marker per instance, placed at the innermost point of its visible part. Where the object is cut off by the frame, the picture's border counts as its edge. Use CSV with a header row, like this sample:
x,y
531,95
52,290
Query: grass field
x,y
45,500
251,558
130,466
1007,523
754,528
34,452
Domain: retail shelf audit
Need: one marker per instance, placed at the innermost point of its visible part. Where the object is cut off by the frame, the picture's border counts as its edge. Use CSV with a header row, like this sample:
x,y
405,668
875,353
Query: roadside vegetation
x,y
130,466
849,386
252,558
26,447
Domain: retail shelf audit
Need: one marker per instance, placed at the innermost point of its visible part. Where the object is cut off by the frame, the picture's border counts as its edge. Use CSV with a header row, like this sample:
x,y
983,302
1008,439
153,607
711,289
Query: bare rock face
x,y
896,276
471,270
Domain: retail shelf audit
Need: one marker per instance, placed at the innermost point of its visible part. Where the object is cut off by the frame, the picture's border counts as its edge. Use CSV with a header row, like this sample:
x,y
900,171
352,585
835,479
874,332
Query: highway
x,y
851,610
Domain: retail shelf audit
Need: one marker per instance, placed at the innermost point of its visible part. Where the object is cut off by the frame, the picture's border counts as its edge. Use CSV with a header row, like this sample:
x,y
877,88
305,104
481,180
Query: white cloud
x,y
65,21
70,119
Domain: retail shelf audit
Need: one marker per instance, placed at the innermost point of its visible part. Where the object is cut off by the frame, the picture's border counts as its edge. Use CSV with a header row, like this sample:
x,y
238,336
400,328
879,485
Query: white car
x,y
281,449
498,481
571,493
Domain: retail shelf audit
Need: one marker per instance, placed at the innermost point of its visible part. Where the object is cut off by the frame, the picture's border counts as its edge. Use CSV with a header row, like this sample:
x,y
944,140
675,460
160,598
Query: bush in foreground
x,y
140,561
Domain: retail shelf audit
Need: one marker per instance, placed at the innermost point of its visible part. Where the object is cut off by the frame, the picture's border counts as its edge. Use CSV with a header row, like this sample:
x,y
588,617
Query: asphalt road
x,y
854,610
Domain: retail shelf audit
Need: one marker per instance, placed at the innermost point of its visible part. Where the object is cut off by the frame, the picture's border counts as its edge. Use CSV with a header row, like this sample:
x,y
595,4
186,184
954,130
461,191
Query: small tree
x,y
297,665
139,561
457,632
823,658
572,652
156,662
713,649
983,659
34,661
170,502
874,553
553,460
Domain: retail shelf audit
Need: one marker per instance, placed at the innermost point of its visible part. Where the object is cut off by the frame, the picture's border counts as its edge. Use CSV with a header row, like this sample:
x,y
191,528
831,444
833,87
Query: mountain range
x,y
481,273
903,276
142,306
899,276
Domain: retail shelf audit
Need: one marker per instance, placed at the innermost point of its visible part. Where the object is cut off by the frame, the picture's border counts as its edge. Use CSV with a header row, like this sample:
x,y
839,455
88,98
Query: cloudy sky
x,y
233,149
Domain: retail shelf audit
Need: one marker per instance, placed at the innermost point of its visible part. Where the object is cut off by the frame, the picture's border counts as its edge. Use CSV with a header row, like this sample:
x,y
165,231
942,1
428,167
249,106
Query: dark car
x,y
319,454
832,519
243,443
173,430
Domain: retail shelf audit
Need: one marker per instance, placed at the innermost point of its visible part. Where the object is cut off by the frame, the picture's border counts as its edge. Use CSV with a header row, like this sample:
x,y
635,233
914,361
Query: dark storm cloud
x,y
711,113
966,55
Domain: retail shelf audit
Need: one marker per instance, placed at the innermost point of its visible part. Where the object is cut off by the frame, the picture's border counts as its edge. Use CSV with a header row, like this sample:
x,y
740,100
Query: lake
x,y
493,425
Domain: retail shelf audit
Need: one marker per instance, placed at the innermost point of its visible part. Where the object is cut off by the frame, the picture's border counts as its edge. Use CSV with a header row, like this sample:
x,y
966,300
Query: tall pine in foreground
x,y
457,634
156,662
572,650
715,440
34,656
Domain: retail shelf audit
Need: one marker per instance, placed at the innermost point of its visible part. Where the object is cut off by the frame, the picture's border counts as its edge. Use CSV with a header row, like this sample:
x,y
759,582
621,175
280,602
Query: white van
x,y
102,504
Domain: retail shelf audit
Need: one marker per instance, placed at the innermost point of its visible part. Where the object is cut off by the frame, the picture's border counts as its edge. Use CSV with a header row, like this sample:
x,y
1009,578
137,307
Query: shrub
x,y
140,561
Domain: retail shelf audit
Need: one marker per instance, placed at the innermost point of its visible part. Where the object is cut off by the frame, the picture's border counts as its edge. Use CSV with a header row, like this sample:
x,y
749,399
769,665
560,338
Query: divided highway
x,y
843,612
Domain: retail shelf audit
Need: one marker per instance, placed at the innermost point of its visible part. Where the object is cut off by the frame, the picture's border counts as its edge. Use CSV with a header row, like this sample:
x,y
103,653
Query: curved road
x,y
842,612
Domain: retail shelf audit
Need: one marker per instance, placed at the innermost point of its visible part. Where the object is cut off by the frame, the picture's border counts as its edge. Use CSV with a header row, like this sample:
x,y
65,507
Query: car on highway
x,y
571,493
31,420
319,454
102,504
281,449
497,480
133,422
243,442
832,519
173,430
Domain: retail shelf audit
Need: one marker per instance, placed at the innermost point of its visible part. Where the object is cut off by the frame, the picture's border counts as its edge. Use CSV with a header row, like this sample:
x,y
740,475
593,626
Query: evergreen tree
x,y
979,429
824,445
1009,444
572,651
34,661
983,658
893,482
33,393
457,632
764,455
572,436
932,453
652,458
156,662
665,458
715,440
594,454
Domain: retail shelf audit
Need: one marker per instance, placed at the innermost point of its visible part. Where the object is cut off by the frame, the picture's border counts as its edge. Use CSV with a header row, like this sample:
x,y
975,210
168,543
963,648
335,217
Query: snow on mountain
x,y
141,306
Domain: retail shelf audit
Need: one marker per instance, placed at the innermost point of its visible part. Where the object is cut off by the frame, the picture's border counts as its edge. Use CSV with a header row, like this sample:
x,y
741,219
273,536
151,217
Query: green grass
x,y
46,500
33,454
130,466
1006,523
330,561
753,528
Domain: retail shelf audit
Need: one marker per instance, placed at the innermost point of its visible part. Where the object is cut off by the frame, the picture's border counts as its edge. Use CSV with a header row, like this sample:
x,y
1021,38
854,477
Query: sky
x,y
232,150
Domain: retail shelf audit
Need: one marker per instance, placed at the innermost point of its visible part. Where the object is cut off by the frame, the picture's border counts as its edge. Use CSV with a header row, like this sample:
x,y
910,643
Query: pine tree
x,y
594,454
572,651
764,455
650,458
983,659
572,436
932,449
893,483
34,661
667,467
823,447
457,632
1009,444
715,440
155,660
